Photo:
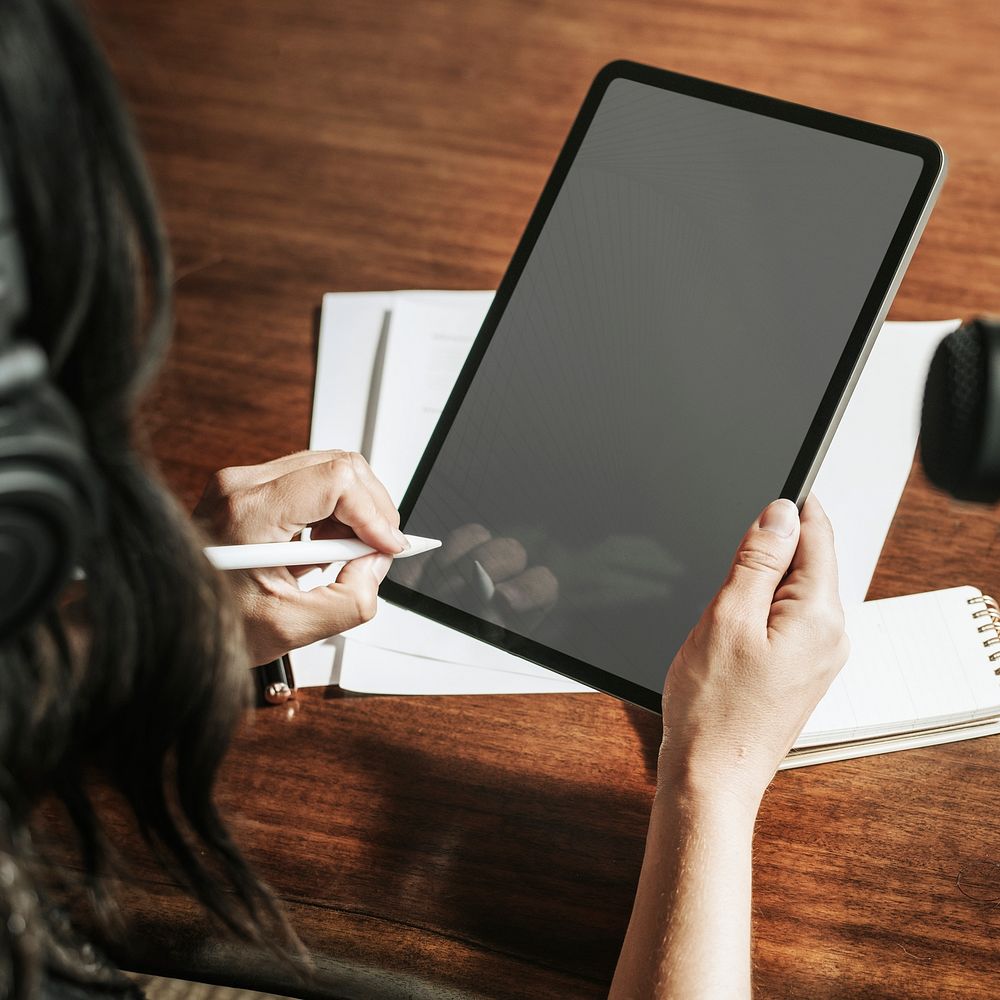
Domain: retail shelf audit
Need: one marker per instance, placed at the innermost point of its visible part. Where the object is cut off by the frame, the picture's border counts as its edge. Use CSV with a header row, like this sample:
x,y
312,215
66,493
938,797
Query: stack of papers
x,y
387,363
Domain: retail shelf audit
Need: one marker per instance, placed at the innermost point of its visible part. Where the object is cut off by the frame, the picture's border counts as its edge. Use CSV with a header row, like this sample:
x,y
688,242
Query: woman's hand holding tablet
x,y
740,689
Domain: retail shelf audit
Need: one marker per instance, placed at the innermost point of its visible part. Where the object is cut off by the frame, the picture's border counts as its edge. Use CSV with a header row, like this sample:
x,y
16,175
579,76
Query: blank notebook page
x,y
916,663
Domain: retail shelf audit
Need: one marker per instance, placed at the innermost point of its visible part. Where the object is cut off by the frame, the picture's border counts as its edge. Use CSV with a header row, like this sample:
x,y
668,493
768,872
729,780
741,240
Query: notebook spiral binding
x,y
990,610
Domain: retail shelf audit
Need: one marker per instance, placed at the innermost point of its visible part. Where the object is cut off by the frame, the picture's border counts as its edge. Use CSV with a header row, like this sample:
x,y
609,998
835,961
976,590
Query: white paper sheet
x,y
869,461
423,345
428,341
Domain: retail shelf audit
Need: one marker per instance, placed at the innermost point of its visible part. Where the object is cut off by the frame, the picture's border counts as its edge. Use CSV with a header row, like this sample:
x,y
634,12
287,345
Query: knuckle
x,y
830,621
821,626
221,483
843,649
341,475
759,558
237,505
365,606
358,461
342,468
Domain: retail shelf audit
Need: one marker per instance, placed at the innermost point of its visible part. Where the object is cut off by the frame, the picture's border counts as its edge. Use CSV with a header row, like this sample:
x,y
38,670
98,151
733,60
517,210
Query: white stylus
x,y
320,552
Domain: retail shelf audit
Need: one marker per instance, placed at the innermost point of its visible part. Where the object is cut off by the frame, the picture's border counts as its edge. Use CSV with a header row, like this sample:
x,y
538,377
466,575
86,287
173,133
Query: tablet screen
x,y
653,374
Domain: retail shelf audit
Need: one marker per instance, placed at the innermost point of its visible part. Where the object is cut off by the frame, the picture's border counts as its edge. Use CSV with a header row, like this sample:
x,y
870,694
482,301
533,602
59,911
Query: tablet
x,y
671,348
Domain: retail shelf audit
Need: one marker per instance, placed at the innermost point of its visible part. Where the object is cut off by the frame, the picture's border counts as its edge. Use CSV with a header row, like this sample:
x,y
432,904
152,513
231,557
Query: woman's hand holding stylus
x,y
334,493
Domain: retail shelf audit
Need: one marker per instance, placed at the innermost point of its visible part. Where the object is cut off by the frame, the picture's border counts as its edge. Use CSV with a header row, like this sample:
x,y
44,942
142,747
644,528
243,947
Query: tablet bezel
x,y
832,404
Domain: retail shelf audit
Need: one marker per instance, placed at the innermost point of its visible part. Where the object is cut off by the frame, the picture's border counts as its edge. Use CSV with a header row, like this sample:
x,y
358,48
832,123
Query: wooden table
x,y
488,847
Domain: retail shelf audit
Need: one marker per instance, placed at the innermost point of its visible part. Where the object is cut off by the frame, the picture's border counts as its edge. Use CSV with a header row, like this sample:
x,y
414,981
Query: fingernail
x,y
780,518
401,539
380,566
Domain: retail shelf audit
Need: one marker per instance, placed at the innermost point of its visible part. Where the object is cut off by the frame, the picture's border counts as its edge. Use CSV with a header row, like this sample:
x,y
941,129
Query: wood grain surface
x,y
489,847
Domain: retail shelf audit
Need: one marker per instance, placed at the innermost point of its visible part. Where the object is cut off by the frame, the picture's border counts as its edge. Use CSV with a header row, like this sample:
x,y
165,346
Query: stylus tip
x,y
418,545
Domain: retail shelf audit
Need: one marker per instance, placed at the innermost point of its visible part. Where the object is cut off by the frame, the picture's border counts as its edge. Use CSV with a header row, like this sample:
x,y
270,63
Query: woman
x,y
140,669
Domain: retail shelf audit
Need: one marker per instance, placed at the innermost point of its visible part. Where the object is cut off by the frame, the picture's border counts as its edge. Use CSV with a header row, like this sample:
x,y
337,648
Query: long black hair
x,y
152,683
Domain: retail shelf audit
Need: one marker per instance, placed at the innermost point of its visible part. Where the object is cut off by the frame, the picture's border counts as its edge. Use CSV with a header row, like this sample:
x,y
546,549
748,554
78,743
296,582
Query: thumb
x,y
762,560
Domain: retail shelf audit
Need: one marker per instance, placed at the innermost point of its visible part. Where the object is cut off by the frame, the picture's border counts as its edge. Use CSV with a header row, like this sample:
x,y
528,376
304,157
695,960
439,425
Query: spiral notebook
x,y
924,669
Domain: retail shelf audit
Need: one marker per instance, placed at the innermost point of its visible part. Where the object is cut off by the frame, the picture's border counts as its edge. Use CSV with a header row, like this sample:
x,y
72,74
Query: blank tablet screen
x,y
652,377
